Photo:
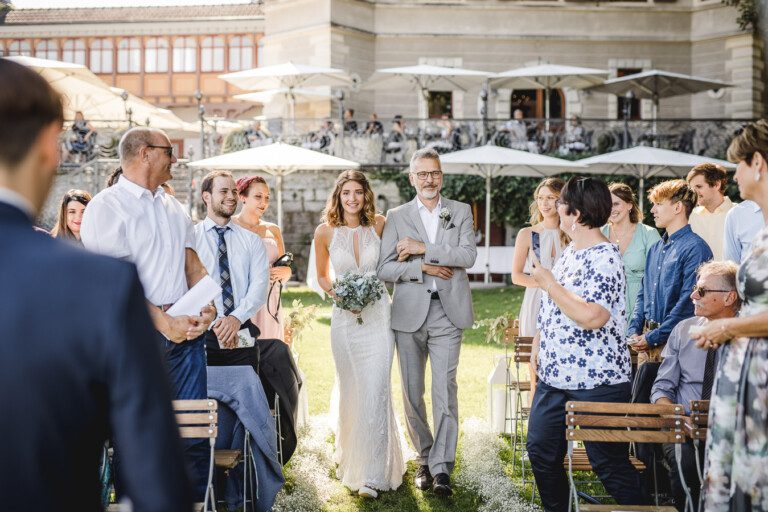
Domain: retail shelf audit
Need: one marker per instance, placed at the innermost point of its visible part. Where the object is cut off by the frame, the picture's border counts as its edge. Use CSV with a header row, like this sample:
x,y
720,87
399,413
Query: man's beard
x,y
224,211
430,193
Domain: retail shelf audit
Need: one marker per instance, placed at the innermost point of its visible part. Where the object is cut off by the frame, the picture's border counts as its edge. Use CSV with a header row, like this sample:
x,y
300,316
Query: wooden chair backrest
x,y
699,419
523,347
622,422
197,419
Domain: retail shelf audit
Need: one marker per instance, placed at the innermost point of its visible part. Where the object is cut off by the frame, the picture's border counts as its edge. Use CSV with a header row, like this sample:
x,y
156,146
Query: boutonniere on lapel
x,y
445,216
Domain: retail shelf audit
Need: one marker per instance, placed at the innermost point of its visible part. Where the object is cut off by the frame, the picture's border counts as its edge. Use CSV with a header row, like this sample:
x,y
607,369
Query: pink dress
x,y
270,328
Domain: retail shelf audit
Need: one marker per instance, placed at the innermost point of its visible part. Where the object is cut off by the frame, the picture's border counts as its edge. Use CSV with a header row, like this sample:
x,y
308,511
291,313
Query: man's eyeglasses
x,y
168,149
702,292
422,175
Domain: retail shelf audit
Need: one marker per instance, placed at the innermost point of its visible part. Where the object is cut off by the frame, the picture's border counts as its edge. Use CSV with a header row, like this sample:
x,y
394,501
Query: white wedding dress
x,y
368,450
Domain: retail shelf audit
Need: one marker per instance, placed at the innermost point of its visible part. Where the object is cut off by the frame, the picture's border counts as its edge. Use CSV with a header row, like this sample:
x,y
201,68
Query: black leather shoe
x,y
442,486
423,478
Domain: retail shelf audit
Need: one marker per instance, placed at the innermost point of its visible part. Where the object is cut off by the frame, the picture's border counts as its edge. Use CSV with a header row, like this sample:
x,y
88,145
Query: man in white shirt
x,y
137,221
237,260
708,218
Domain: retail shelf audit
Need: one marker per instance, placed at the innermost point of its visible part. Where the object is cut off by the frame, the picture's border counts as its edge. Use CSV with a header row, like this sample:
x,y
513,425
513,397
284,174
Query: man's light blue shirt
x,y
670,273
742,224
248,265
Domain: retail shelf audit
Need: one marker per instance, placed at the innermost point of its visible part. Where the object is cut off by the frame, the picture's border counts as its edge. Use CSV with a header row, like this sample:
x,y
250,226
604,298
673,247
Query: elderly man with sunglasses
x,y
687,372
137,221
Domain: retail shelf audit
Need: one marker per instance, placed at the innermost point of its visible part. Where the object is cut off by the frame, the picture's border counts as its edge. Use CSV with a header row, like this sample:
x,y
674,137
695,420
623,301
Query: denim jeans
x,y
185,364
547,447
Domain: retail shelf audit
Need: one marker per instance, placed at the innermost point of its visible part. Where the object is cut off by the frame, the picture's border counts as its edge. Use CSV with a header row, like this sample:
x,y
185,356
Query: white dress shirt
x,y
248,266
431,221
150,230
711,225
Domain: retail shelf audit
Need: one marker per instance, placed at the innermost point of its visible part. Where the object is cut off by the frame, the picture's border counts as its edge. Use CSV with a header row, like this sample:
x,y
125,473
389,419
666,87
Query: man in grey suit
x,y
426,247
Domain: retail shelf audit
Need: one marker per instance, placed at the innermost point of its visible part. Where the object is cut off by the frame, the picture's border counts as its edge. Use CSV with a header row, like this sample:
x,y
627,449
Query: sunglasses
x,y
168,149
702,292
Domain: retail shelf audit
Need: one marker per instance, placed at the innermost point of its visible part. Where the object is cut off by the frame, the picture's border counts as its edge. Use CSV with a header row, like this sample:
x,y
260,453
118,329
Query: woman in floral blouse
x,y
582,354
736,470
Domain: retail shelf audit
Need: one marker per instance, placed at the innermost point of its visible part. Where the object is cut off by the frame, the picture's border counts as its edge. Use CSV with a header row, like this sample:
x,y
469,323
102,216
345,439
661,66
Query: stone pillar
x,y
744,68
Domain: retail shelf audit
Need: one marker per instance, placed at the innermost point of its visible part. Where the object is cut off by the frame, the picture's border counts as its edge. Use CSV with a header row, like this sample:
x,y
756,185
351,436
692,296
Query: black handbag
x,y
286,260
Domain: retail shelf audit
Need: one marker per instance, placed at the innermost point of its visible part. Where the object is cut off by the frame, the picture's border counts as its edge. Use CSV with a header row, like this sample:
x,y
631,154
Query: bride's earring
x,y
573,227
757,175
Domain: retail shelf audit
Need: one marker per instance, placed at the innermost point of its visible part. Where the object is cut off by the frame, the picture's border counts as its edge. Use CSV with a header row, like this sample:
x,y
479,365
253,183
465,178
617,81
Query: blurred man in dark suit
x,y
77,358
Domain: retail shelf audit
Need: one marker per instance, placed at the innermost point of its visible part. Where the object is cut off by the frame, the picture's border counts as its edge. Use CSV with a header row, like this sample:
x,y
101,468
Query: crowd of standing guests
x,y
691,304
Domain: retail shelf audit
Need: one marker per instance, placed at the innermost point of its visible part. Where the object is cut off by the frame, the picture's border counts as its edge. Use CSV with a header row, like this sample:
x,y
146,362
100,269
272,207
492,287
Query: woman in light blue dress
x,y
633,238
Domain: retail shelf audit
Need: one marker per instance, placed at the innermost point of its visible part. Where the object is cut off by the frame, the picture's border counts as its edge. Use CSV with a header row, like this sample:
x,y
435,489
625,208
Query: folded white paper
x,y
198,296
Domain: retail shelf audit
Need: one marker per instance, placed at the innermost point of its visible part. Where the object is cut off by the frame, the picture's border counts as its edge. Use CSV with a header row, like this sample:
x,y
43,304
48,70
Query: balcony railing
x,y
396,141
393,143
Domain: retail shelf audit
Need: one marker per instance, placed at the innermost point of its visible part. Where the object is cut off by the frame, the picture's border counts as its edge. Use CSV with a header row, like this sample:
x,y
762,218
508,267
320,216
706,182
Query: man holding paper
x,y
237,261
137,221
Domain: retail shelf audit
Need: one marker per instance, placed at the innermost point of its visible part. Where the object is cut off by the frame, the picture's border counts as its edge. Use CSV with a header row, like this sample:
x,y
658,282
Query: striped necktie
x,y
224,278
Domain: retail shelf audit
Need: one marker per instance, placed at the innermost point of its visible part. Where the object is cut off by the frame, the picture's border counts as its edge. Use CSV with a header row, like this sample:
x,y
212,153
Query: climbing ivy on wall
x,y
747,12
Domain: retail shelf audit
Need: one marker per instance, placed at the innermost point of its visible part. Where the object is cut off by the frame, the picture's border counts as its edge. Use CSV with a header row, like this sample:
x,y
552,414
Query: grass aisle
x,y
316,361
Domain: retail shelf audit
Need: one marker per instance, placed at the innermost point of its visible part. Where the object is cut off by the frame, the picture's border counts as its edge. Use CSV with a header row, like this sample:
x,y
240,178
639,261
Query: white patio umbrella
x,y
646,162
656,84
424,77
548,77
490,161
81,89
288,76
284,96
278,159
143,112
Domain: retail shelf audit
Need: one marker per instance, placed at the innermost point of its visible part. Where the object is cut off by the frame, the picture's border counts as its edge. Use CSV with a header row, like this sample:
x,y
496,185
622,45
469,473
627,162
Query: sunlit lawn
x,y
476,361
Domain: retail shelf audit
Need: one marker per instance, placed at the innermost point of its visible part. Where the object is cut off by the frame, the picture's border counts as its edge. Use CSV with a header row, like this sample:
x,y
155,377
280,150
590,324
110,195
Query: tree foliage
x,y
747,13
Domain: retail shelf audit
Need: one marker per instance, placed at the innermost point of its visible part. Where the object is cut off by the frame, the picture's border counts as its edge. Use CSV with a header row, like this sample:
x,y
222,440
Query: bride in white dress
x,y
368,450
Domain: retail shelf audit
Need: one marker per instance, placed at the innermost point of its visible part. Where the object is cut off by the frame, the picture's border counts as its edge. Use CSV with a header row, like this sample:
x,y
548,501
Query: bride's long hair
x,y
333,213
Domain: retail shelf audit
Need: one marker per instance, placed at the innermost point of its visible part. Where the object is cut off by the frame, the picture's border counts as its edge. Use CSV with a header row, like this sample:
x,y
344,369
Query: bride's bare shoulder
x,y
378,224
324,232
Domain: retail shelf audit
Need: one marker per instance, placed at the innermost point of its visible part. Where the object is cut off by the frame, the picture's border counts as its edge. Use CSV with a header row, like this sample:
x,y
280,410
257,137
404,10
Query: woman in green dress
x,y
633,238
736,469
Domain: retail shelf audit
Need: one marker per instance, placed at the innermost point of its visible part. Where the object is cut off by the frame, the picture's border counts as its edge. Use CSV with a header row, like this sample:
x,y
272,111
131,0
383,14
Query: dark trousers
x,y
547,448
688,462
279,375
185,364
230,357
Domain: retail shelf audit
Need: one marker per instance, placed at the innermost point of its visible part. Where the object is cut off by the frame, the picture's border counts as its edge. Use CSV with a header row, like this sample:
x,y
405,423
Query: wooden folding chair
x,y
518,411
608,422
198,419
697,428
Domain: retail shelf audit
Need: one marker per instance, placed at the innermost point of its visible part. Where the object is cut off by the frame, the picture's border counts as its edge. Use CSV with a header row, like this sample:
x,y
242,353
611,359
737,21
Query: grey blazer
x,y
454,247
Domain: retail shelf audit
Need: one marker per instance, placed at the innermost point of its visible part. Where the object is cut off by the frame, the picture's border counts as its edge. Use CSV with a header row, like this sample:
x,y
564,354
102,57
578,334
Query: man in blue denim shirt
x,y
670,271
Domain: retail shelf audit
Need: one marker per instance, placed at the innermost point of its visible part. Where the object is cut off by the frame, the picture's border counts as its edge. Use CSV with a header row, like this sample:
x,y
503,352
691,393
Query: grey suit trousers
x,y
440,341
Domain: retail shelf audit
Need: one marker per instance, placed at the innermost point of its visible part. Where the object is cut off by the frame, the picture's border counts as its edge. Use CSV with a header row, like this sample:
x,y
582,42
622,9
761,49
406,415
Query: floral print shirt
x,y
574,358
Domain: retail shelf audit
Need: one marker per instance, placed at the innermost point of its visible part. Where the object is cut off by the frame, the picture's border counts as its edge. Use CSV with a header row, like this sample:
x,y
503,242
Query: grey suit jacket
x,y
454,247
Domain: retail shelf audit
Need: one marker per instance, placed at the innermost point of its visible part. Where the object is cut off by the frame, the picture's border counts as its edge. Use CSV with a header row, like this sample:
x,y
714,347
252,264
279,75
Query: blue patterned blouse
x,y
574,358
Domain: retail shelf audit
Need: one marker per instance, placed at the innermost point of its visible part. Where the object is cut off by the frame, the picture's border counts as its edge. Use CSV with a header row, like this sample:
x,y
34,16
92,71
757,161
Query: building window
x,y
440,103
184,55
212,54
20,47
2,49
129,56
156,55
628,108
240,53
47,49
101,56
73,51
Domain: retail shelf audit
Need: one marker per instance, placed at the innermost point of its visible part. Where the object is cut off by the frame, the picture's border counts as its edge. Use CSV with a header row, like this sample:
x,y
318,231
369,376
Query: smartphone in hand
x,y
536,244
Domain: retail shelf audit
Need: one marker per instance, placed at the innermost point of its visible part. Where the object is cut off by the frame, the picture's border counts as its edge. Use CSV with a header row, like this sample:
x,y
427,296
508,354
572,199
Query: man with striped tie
x,y
237,260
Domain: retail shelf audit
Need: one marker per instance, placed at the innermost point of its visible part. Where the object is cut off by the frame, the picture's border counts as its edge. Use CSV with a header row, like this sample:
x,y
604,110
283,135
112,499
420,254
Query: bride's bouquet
x,y
354,291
